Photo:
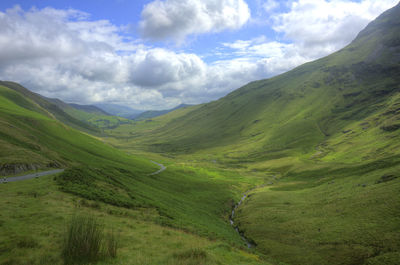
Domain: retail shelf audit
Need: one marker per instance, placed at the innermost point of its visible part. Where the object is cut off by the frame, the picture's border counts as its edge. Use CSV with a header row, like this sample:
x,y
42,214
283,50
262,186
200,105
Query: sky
x,y
157,54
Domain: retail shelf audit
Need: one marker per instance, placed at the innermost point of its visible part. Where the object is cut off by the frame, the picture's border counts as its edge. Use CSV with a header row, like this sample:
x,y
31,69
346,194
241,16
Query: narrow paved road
x,y
162,168
30,176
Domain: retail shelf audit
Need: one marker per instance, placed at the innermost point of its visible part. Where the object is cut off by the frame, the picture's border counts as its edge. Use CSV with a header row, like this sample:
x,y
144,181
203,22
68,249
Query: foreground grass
x,y
34,215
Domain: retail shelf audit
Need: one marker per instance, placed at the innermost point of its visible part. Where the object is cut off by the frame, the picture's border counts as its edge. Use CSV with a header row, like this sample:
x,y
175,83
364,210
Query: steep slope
x,y
90,114
296,112
111,185
31,135
323,138
51,108
89,108
182,197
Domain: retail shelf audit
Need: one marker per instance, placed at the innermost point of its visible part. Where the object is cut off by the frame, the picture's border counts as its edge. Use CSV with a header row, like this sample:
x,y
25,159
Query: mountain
x,y
323,139
51,109
354,90
89,114
155,113
118,110
89,109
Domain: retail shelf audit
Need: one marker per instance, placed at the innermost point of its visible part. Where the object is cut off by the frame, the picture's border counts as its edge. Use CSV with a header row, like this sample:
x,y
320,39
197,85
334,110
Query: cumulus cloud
x,y
176,19
315,28
158,67
60,53
65,54
321,26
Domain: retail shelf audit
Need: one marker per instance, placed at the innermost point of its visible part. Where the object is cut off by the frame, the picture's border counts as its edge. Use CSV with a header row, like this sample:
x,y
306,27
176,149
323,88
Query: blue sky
x,y
157,54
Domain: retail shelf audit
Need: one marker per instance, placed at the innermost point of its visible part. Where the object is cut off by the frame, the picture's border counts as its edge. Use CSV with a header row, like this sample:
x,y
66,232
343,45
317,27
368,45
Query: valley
x,y
301,168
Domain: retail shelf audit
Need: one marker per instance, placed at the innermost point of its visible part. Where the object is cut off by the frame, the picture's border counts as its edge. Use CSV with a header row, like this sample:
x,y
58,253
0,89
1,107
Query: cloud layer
x,y
65,54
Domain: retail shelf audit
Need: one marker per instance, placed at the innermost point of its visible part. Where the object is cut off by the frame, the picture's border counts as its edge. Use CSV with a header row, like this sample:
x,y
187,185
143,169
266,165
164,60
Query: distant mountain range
x,y
155,113
118,110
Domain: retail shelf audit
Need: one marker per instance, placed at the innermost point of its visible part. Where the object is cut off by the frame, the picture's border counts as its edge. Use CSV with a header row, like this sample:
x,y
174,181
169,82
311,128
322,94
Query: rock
x,y
12,169
386,178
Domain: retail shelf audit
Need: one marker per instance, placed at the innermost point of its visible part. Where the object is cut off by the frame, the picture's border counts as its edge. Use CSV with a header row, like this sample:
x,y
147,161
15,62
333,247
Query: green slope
x,y
297,111
51,108
183,197
155,113
90,115
324,137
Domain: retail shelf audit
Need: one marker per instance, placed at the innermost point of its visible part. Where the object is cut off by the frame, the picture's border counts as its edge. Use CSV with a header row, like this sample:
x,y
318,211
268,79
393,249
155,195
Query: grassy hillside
x,y
296,112
323,139
51,109
192,200
90,115
155,113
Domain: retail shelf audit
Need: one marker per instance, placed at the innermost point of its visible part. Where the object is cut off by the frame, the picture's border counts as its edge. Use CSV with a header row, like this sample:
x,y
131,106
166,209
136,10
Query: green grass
x,y
34,215
326,217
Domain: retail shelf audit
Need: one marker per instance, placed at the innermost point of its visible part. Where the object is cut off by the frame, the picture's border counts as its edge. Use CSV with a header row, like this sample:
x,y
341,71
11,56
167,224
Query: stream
x,y
232,221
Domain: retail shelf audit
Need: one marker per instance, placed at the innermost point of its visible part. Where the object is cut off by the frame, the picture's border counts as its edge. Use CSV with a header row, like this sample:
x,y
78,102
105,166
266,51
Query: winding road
x,y
31,176
54,171
162,168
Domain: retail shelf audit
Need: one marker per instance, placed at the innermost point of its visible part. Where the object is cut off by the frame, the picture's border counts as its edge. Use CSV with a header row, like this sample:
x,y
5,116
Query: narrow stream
x,y
231,220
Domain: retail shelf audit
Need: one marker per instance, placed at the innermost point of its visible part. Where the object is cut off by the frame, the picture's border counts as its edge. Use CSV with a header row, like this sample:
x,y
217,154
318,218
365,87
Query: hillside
x,y
324,141
50,109
89,108
353,90
183,202
155,113
89,114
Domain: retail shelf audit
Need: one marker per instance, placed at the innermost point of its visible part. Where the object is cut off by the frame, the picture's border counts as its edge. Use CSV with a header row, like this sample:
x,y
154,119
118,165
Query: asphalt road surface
x,y
31,176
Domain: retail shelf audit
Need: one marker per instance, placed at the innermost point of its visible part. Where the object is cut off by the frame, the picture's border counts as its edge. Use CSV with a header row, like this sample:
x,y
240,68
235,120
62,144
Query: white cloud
x,y
316,28
64,54
176,19
321,26
270,5
157,67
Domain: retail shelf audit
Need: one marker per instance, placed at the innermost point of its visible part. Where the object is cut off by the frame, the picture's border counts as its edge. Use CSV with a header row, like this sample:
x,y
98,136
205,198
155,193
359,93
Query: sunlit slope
x,y
184,197
51,109
91,115
110,184
297,111
31,135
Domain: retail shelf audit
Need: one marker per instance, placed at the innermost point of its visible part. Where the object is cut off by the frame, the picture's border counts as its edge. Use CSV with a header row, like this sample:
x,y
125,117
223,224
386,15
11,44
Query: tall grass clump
x,y
85,241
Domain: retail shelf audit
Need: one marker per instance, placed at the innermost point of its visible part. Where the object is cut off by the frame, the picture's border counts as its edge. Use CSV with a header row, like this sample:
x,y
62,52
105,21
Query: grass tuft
x,y
85,241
